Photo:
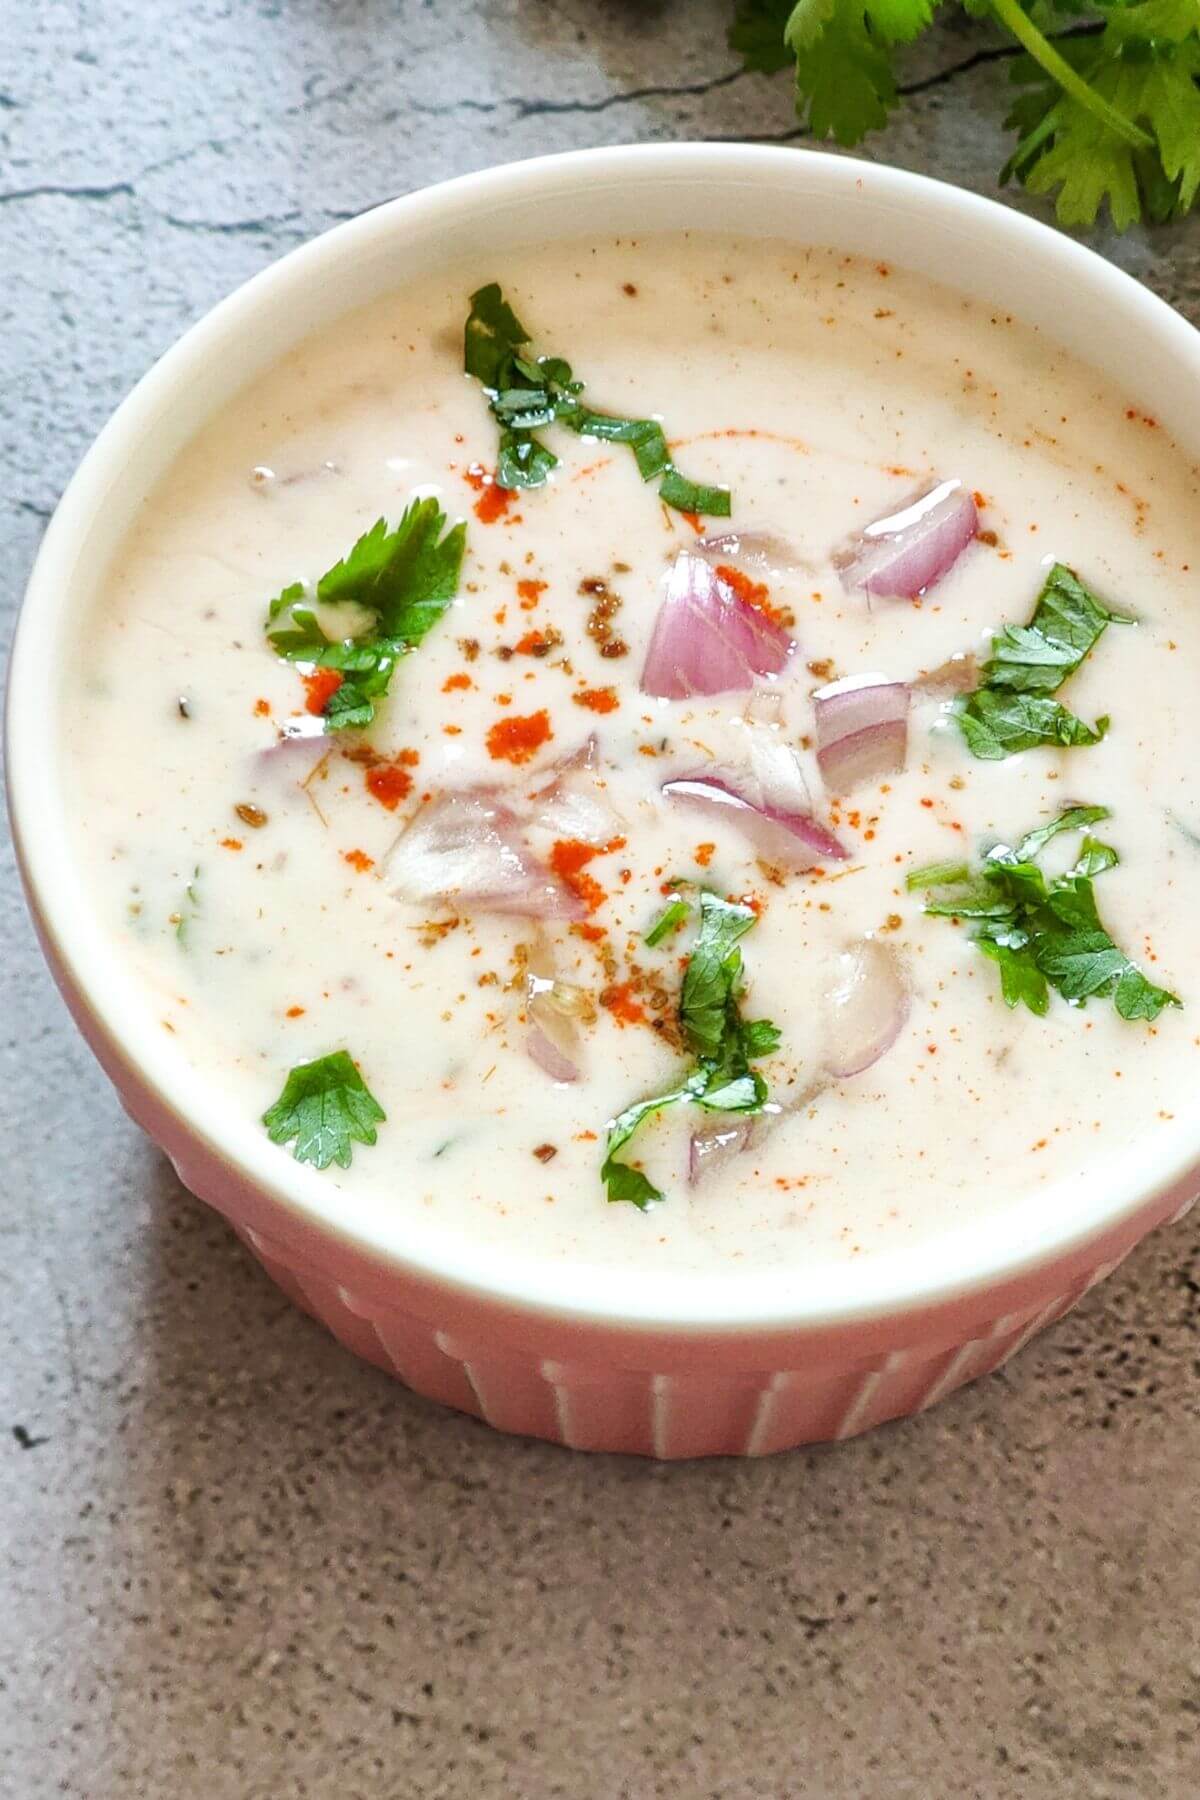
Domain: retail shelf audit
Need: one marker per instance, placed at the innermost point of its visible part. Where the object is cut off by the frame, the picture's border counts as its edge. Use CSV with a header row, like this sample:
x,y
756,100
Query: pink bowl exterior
x,y
599,1386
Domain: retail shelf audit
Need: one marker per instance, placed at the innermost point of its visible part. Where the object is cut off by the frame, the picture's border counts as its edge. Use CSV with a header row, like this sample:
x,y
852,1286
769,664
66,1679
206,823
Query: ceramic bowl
x,y
687,1365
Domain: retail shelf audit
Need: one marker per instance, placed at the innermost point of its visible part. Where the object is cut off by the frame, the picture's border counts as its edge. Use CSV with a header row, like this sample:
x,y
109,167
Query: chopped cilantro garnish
x,y
326,1106
1047,933
723,1043
1011,709
669,920
404,578
526,393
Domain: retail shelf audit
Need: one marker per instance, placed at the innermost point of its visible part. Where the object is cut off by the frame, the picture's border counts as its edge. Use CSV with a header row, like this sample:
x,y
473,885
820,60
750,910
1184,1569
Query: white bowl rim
x,y
1006,1244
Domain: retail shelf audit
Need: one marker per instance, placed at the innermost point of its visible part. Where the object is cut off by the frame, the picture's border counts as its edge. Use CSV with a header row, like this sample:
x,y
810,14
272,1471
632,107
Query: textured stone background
x,y
238,1565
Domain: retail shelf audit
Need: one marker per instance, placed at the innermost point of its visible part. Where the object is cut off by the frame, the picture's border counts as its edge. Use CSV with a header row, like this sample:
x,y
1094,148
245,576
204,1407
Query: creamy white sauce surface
x,y
824,392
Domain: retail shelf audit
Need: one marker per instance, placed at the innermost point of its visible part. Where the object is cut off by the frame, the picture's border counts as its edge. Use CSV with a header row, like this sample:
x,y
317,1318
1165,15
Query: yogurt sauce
x,y
242,883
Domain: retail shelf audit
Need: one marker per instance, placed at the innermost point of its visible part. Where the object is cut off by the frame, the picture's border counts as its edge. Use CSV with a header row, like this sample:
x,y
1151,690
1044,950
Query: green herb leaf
x,y
1011,709
404,578
1068,622
326,1107
694,497
1109,116
528,393
997,725
723,1043
1073,819
1111,120
1046,934
668,921
936,875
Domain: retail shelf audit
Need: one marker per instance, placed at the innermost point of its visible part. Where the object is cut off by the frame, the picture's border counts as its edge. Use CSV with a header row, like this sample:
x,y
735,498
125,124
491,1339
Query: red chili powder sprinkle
x,y
518,738
597,700
621,1004
262,708
568,859
389,784
358,859
231,843
704,854
320,687
455,681
533,644
295,1012
408,759
528,593
593,933
753,593
452,730
492,504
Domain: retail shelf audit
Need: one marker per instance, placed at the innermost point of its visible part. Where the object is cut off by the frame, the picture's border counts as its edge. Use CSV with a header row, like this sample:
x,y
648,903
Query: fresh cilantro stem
x,y
1059,69
669,920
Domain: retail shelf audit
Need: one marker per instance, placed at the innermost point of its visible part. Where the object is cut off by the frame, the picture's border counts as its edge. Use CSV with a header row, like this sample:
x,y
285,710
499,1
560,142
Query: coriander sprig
x,y
723,1043
1109,115
1041,932
526,393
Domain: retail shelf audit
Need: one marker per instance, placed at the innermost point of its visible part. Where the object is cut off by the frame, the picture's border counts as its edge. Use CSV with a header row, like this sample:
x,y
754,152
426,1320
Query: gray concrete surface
x,y
238,1565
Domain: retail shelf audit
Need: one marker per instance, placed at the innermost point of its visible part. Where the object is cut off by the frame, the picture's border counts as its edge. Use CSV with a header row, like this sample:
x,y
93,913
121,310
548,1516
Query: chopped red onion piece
x,y
575,809
707,640
957,675
903,555
712,1149
552,1008
866,1008
548,1057
862,730
467,849
765,551
780,836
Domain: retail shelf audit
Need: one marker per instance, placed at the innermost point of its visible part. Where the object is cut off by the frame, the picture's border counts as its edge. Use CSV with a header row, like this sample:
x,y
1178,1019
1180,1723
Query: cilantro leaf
x,y
326,1106
405,579
723,1043
998,725
1111,120
1068,621
757,34
1109,116
1073,819
1045,934
713,974
1011,709
845,85
526,393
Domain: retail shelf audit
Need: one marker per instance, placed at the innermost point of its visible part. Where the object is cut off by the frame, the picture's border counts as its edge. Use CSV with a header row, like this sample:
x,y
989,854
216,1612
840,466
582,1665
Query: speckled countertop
x,y
237,1564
